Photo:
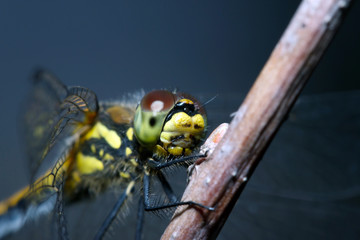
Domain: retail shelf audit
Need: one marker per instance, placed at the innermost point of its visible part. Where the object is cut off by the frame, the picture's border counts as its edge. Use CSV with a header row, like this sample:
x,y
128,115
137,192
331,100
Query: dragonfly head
x,y
169,123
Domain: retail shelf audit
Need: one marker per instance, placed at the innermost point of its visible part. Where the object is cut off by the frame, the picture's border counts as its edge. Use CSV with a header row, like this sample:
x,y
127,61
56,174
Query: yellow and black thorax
x,y
116,148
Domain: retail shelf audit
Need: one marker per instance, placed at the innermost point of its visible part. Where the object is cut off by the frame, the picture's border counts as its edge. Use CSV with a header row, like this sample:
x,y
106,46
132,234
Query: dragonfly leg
x,y
140,219
148,206
166,187
61,220
178,161
113,213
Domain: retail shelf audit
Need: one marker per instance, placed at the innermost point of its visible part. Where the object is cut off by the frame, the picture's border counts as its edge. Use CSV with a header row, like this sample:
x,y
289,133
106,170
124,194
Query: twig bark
x,y
220,179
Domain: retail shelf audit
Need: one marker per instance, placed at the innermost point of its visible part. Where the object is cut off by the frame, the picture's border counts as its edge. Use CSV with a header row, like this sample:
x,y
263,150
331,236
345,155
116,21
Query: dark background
x,y
206,48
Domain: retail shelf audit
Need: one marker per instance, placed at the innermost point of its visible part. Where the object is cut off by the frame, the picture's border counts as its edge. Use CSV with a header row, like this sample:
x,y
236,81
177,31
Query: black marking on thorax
x,y
101,146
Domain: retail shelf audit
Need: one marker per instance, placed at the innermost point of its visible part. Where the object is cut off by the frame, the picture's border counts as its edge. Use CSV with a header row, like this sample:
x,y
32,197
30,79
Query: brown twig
x,y
219,180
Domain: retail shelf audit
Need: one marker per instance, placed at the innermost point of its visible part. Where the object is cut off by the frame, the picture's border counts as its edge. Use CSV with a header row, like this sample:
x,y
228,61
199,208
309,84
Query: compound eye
x,y
150,116
158,101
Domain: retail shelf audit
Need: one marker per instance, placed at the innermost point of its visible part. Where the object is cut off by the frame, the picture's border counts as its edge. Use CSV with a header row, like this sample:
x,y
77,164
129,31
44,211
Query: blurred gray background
x,y
206,48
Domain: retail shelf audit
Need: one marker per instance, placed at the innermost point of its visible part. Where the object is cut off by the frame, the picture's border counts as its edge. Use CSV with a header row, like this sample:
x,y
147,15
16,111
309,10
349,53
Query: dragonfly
x,y
306,186
92,147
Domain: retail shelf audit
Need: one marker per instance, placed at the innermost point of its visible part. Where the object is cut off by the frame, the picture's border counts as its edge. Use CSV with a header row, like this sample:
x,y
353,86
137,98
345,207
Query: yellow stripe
x,y
133,162
124,175
101,152
46,179
128,151
108,157
93,148
130,133
88,164
110,136
13,200
129,187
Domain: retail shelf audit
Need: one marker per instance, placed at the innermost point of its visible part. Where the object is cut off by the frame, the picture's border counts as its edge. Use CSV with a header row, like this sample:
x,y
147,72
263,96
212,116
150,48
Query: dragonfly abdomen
x,y
17,210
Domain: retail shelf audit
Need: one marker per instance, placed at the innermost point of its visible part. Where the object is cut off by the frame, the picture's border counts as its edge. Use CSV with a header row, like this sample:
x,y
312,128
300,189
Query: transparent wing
x,y
308,184
54,112
38,200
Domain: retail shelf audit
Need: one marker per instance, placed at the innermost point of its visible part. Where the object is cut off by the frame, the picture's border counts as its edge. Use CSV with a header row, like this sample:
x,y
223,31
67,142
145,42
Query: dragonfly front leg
x,y
113,213
148,206
166,187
